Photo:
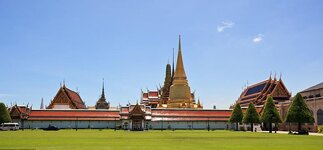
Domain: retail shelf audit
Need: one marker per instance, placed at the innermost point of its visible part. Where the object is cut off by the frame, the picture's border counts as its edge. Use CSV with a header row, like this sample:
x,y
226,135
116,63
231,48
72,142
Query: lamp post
x,y
315,112
115,123
208,124
162,126
76,123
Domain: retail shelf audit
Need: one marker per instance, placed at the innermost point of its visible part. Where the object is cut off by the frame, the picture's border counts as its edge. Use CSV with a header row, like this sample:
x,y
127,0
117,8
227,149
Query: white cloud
x,y
5,95
258,38
225,25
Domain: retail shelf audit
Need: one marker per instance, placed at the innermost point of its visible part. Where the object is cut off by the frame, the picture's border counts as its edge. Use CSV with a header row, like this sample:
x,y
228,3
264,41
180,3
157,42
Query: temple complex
x,y
172,106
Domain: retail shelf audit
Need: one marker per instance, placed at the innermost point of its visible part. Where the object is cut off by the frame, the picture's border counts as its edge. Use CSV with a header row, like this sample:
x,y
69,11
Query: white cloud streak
x,y
5,95
225,25
258,38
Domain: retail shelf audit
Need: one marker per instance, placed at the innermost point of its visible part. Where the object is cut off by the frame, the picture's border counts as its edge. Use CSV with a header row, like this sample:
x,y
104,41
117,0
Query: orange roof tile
x,y
153,94
76,99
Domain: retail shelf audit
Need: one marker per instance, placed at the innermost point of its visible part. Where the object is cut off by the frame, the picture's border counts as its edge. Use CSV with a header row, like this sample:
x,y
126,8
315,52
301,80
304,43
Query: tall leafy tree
x,y
4,114
237,115
251,116
298,112
270,114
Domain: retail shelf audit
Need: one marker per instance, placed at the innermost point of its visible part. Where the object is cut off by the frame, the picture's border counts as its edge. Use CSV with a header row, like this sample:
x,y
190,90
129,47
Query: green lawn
x,y
109,139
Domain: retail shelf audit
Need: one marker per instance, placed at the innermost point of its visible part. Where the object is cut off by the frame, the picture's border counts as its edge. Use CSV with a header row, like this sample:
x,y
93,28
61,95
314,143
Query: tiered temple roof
x,y
151,98
19,111
102,103
135,110
66,99
258,93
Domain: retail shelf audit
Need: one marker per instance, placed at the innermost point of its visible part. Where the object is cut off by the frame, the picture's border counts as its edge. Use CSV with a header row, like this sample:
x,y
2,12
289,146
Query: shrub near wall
x,y
320,129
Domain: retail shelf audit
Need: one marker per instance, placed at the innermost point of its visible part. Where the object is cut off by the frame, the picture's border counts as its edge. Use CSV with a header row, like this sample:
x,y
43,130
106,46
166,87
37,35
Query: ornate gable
x,y
137,112
61,98
280,90
15,113
19,112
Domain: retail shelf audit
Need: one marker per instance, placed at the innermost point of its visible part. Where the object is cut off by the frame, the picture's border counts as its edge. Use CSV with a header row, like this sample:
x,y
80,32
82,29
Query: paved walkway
x,y
286,132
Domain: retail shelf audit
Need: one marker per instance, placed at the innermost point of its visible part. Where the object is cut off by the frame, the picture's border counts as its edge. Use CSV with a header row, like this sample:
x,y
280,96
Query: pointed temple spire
x,y
103,94
42,103
173,65
102,103
275,76
64,83
180,93
179,72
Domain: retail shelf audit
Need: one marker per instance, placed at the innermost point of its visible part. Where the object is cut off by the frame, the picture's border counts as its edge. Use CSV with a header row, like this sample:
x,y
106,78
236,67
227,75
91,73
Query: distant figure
x,y
275,129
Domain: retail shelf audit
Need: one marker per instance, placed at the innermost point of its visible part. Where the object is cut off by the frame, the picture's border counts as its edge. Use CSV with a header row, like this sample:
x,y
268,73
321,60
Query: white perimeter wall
x,y
201,125
70,124
189,125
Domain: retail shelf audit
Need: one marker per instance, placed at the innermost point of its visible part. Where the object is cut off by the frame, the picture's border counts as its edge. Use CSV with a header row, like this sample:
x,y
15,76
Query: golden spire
x,y
180,72
180,93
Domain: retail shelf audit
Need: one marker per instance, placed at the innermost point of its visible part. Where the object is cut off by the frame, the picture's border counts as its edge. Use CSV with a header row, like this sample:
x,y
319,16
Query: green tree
x,y
237,115
251,116
298,112
4,114
270,114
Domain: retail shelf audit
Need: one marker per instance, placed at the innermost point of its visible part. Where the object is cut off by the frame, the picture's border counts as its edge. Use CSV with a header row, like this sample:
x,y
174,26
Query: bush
x,y
169,127
320,129
303,132
242,128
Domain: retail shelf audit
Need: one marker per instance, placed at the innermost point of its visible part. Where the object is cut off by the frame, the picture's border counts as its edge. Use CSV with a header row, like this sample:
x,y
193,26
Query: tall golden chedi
x,y
180,92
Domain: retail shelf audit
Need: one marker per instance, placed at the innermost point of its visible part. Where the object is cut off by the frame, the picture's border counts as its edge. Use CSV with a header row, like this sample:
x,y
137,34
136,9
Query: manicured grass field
x,y
110,139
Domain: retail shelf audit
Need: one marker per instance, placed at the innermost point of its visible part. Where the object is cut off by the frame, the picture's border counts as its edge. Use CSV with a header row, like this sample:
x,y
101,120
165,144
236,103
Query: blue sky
x,y
225,45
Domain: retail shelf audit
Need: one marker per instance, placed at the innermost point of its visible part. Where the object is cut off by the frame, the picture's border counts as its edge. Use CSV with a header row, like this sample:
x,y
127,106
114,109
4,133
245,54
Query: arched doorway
x,y
320,117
